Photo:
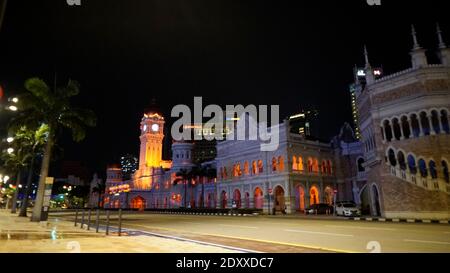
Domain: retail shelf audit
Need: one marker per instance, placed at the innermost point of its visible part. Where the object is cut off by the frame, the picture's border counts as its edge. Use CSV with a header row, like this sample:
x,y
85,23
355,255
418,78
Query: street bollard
x,y
89,220
82,219
97,221
76,217
107,222
120,222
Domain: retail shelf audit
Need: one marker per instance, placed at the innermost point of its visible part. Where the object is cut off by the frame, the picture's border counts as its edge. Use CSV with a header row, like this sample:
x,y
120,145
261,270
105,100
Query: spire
x,y
370,78
439,33
414,35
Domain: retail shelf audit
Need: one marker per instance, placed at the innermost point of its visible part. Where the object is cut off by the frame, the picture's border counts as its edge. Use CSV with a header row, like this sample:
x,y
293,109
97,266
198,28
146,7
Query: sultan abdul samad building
x,y
395,166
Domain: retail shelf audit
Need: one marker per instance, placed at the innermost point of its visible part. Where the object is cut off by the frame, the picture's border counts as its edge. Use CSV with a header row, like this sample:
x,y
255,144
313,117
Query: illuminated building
x,y
305,123
405,135
155,184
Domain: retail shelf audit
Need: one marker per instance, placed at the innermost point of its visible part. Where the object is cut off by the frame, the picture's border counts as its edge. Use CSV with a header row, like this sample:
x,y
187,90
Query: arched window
x,y
444,121
387,130
401,160
415,125
280,163
329,167
246,168
324,167
435,122
294,163
445,171
360,165
238,169
316,165
425,123
260,166
254,169
310,164
300,164
397,131
391,157
405,127
412,164
274,164
433,172
423,168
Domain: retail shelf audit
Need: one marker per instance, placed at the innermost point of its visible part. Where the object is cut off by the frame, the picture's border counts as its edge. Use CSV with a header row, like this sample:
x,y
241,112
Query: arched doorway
x,y
223,200
258,198
313,195
237,198
300,198
279,202
138,202
376,201
328,195
365,201
247,200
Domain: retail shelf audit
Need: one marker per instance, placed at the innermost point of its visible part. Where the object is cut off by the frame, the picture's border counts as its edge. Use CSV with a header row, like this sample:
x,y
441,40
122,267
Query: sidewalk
x,y
20,235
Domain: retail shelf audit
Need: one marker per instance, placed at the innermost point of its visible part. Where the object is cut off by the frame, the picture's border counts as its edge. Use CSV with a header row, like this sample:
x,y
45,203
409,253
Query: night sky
x,y
124,53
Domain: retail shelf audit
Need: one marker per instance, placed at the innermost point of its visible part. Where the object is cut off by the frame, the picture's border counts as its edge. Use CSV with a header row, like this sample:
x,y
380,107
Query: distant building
x,y
305,123
129,165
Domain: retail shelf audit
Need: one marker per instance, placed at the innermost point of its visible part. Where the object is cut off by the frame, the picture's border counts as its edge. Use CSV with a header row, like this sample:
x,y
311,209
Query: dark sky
x,y
126,52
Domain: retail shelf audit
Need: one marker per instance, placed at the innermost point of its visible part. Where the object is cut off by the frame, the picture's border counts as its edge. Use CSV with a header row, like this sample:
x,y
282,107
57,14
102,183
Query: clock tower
x,y
152,134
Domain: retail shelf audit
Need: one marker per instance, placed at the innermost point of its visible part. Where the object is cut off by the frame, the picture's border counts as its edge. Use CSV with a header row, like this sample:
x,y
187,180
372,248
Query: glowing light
x,y
10,150
15,100
10,139
297,116
12,108
155,127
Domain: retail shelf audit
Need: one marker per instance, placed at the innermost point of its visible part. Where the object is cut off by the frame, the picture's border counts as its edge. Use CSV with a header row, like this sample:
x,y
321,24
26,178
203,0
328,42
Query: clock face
x,y
155,127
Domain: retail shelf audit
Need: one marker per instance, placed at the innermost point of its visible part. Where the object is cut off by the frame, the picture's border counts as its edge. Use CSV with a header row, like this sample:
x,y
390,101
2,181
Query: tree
x,y
40,104
184,176
38,139
19,159
100,190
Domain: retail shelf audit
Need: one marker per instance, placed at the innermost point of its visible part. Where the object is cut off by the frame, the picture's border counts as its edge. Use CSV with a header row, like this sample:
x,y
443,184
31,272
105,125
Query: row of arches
x,y
426,168
312,165
415,125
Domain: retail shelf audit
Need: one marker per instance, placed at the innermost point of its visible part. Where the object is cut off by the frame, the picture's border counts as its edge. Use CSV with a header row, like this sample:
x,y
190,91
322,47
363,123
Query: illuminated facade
x,y
155,183
405,135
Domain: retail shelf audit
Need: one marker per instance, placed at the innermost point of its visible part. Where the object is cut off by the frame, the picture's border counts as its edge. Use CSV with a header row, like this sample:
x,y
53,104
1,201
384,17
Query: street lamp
x,y
10,139
12,108
15,100
10,150
5,179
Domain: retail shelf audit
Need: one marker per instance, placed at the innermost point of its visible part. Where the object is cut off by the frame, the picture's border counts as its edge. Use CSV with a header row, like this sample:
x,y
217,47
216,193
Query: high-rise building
x,y
129,164
305,123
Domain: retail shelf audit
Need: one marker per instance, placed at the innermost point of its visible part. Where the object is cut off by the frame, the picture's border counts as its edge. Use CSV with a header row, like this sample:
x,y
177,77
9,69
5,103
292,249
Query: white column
x,y
430,120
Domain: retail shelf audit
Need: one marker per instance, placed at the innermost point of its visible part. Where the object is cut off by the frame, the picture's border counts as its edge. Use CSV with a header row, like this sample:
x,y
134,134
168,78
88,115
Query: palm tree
x,y
38,139
100,190
184,176
40,104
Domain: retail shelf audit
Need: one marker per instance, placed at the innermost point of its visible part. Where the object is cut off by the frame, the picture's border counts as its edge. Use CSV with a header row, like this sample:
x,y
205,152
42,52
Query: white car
x,y
347,209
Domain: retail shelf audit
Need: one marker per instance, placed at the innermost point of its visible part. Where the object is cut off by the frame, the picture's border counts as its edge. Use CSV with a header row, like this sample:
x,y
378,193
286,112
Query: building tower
x,y
152,134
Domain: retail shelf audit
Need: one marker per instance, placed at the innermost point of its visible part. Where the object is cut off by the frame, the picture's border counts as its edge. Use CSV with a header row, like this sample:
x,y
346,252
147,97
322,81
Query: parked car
x,y
347,209
319,209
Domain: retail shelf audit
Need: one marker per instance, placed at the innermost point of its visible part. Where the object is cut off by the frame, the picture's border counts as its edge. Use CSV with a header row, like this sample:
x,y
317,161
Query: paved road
x,y
290,234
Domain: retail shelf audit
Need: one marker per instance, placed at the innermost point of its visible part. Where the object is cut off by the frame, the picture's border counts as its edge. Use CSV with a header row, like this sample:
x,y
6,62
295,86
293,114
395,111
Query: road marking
x,y
321,233
426,242
251,239
194,223
360,227
238,226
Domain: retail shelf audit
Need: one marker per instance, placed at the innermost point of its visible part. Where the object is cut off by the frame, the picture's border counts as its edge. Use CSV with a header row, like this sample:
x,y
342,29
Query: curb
x,y
397,220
